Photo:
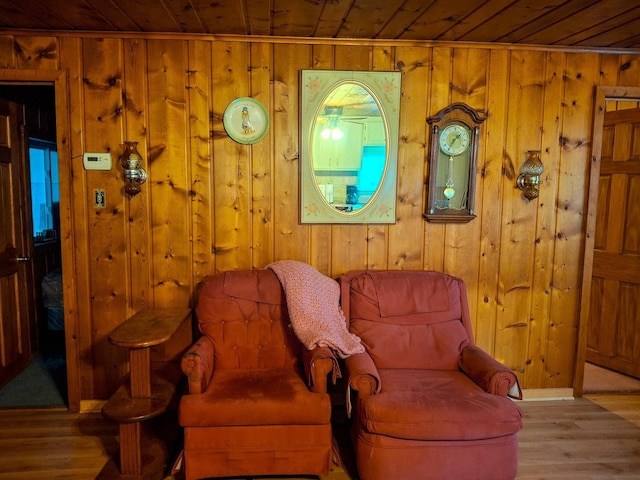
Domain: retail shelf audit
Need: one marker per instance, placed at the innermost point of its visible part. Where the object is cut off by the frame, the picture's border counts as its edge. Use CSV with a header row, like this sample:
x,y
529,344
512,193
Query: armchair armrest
x,y
318,363
198,365
492,376
362,374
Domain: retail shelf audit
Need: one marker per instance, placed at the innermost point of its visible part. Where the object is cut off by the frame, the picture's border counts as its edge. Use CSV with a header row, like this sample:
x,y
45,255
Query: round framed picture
x,y
246,120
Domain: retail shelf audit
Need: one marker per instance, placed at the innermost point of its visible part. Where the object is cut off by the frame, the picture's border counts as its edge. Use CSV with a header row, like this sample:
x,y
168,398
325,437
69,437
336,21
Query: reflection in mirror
x,y
348,147
349,135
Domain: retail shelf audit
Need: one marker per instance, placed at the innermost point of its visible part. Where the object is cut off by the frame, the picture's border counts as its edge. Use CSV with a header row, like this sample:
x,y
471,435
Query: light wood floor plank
x,y
593,438
629,408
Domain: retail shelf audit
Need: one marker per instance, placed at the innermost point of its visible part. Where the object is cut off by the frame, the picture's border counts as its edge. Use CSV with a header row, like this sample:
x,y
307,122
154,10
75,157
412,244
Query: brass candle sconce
x,y
134,174
529,177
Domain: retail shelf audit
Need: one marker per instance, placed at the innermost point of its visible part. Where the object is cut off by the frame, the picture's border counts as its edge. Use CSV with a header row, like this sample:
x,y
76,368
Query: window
x,y
45,190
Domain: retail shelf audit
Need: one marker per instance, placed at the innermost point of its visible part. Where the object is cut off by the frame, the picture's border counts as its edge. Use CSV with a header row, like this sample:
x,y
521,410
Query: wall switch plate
x,y
97,161
100,198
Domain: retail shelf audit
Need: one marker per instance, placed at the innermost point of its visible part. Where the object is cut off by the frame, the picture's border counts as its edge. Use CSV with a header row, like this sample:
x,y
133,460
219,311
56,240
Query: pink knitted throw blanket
x,y
313,301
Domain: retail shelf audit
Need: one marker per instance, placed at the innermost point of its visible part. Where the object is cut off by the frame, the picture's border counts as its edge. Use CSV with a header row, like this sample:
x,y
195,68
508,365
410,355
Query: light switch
x,y
100,198
97,161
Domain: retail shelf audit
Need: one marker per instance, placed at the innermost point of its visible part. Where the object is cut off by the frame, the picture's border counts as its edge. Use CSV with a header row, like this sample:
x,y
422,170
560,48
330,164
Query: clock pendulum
x,y
454,140
449,191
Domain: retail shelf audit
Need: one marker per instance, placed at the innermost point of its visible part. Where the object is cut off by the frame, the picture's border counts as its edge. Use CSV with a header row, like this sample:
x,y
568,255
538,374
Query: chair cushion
x,y
408,319
436,405
415,346
418,297
254,285
244,314
409,292
249,397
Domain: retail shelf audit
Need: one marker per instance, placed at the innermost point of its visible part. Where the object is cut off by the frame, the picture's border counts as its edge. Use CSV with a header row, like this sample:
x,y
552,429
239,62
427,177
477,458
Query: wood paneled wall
x,y
211,204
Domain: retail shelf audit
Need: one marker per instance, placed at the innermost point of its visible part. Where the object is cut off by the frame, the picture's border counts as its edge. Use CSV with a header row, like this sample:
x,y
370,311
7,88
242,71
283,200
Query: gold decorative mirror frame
x,y
344,202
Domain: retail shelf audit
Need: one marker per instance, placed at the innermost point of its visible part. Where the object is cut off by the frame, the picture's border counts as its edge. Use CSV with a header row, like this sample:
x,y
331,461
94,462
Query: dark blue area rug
x,y
42,384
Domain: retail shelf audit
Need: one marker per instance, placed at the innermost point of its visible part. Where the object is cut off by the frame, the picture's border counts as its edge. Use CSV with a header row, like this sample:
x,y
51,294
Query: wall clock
x,y
453,160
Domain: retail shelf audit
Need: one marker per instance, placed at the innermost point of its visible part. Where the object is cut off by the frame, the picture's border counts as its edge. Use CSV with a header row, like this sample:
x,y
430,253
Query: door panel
x,y
15,278
613,339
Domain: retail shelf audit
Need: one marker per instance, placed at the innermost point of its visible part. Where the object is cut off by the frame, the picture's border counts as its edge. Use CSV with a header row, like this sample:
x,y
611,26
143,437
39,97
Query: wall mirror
x,y
349,146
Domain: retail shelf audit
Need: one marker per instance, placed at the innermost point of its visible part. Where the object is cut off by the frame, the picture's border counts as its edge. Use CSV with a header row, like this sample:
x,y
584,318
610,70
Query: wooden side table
x,y
145,396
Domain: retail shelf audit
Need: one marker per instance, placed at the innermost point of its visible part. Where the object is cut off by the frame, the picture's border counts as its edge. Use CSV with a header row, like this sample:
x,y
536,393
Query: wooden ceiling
x,y
611,24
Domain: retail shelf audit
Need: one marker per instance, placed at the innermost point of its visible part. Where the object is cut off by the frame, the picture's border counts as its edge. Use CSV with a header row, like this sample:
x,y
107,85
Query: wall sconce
x,y
134,174
530,172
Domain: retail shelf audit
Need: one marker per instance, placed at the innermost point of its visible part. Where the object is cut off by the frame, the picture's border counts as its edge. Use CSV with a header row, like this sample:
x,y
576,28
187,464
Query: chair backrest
x,y
408,319
244,313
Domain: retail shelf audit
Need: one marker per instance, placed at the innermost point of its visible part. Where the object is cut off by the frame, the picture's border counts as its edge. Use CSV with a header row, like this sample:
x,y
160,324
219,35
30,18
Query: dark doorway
x,y
43,382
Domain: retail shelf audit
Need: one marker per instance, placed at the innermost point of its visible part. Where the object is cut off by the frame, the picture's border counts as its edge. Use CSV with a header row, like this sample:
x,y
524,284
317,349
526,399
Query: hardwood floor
x,y
595,438
580,439
52,444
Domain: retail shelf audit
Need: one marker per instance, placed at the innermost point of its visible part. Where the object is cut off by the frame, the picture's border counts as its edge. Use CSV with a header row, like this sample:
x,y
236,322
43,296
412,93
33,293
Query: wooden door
x,y
16,329
613,339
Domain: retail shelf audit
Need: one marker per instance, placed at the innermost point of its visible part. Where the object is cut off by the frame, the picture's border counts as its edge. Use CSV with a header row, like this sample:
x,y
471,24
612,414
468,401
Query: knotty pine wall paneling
x,y
107,247
614,70
291,240
169,180
7,51
200,101
74,236
262,227
231,161
404,239
545,218
523,116
211,204
35,52
489,195
135,116
581,72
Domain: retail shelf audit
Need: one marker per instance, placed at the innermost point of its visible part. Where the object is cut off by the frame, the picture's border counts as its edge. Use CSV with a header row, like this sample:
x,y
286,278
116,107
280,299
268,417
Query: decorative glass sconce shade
x,y
530,172
332,131
134,174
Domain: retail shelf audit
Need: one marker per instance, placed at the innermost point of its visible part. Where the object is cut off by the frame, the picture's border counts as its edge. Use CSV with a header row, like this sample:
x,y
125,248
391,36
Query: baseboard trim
x,y
91,406
541,394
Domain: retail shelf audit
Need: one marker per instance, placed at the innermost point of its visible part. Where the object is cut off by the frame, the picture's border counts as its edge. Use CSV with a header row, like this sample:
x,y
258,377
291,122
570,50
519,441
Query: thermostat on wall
x,y
97,161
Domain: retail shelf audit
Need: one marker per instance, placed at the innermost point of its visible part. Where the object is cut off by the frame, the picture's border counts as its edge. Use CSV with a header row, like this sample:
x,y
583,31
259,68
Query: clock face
x,y
454,139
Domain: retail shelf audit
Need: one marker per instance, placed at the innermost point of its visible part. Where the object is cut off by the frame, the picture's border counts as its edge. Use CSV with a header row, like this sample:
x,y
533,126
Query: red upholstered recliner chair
x,y
427,403
250,410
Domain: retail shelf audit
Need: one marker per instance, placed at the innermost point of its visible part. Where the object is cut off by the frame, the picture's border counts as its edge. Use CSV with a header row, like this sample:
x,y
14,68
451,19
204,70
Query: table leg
x,y
140,366
130,451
